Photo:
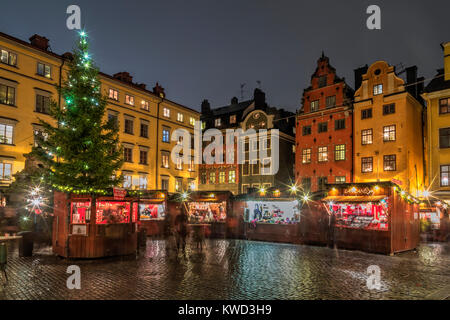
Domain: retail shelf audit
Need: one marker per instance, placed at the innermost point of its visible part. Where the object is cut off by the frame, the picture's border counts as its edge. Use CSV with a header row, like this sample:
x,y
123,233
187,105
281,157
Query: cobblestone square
x,y
233,269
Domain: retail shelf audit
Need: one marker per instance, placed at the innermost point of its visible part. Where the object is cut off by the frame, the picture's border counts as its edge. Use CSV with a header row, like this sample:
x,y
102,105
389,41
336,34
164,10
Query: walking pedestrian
x,y
181,221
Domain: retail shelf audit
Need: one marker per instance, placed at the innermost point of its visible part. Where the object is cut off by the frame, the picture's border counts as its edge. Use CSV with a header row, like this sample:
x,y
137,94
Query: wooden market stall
x,y
213,210
269,215
372,217
152,210
84,227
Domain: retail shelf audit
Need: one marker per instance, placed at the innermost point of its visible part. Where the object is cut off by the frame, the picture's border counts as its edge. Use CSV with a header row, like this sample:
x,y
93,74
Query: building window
x,y
165,159
7,95
44,70
322,127
445,172
444,138
306,184
340,179
166,112
144,105
377,89
192,121
255,168
212,177
330,101
165,184
144,130
203,178
389,162
366,164
143,156
166,135
180,117
178,184
114,119
231,176
42,104
323,154
339,124
179,164
39,135
191,165
113,94
306,130
128,154
266,166
306,156
246,168
444,106
221,177
9,58
339,152
389,109
366,114
127,180
322,81
143,182
233,119
6,133
217,122
366,136
245,188
389,133
129,100
321,182
314,105
5,171
128,126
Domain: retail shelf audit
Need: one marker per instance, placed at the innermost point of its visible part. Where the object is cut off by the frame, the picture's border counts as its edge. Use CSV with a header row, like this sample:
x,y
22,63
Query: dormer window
x,y
322,81
218,122
377,89
233,119
129,100
113,94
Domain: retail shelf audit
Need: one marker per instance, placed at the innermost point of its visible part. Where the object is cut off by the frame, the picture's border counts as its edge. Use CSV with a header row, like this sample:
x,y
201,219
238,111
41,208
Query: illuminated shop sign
x,y
152,211
207,211
277,212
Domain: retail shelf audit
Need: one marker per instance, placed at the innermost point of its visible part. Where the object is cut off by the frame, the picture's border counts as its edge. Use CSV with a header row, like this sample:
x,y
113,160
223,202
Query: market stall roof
x,y
354,198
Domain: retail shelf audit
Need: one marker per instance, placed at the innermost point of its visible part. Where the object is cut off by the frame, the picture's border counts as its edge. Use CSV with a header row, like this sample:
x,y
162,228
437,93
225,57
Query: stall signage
x,y
119,193
399,182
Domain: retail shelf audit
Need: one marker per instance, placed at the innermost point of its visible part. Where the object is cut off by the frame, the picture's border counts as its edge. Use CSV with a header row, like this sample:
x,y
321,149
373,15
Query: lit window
x,y
389,133
129,100
179,165
444,106
339,152
127,180
221,177
217,122
389,162
9,58
5,171
366,136
178,184
113,94
212,177
192,121
166,135
144,105
233,119
166,112
231,176
366,164
180,117
44,70
340,179
314,105
165,160
6,133
323,154
191,164
445,172
143,182
306,156
7,95
377,89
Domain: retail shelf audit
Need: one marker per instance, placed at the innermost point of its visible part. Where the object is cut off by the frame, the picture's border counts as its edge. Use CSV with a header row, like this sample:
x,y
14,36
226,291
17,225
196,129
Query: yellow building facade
x,y
387,130
437,98
29,74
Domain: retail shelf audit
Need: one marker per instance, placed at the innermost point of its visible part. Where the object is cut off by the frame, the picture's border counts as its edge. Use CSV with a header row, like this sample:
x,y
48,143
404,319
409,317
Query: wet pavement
x,y
234,269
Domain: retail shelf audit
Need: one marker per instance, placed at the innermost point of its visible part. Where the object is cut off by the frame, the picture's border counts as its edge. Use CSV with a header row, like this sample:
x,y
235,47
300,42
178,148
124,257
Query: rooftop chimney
x,y
234,100
446,47
142,86
206,107
124,76
159,91
39,42
260,98
358,75
411,80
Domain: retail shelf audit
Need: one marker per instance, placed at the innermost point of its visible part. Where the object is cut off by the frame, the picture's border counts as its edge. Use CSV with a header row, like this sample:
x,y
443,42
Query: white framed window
x,y
127,180
191,164
145,105
44,70
129,100
180,117
222,177
377,89
166,135
192,121
314,105
191,185
165,159
7,95
5,170
143,182
323,154
8,57
231,176
166,112
113,94
6,133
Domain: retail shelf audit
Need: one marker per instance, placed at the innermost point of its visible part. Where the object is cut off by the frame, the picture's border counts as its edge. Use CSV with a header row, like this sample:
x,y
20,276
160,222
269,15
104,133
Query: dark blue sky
x,y
200,49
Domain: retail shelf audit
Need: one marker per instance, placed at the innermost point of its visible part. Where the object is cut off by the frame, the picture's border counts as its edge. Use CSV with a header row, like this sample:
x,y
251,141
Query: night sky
x,y
205,49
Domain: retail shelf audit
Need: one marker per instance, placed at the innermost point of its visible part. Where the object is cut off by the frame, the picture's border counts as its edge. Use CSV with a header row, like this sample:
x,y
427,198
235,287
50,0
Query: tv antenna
x,y
242,91
258,82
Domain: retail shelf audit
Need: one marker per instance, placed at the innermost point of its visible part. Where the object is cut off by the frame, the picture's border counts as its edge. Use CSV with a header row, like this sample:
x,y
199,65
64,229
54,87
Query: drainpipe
x,y
157,145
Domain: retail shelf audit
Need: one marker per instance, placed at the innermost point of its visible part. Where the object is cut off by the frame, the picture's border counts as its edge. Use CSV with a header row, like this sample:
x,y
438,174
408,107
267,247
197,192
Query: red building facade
x,y
324,130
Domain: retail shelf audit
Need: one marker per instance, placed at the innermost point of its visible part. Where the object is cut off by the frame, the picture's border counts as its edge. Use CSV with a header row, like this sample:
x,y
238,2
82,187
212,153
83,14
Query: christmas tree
x,y
80,151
